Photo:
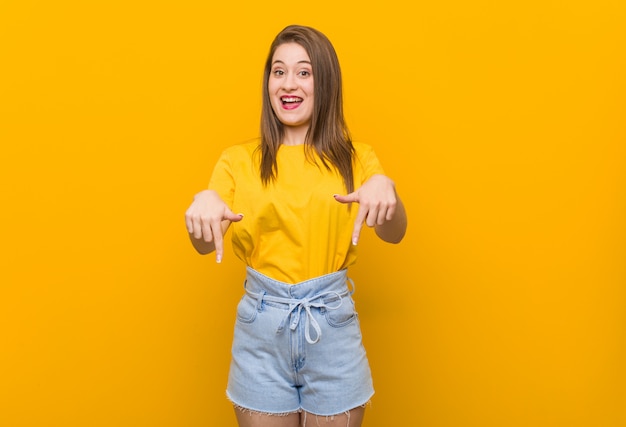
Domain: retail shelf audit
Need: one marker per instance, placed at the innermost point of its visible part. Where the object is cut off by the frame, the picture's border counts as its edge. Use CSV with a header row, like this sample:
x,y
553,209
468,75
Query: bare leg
x,y
247,418
351,418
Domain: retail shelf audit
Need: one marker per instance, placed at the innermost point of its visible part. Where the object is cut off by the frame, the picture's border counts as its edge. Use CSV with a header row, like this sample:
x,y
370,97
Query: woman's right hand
x,y
207,220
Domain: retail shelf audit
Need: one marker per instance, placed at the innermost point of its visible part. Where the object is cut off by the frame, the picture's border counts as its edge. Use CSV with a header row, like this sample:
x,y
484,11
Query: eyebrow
x,y
304,61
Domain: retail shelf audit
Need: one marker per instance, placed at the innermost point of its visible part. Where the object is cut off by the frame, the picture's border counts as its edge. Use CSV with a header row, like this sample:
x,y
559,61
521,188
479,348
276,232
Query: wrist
x,y
202,194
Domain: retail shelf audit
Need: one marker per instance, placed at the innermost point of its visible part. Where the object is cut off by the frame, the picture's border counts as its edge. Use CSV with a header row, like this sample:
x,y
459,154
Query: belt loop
x,y
259,303
351,284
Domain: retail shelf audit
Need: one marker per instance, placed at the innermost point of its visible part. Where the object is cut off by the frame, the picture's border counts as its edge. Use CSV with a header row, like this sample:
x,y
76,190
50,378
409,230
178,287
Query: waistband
x,y
325,291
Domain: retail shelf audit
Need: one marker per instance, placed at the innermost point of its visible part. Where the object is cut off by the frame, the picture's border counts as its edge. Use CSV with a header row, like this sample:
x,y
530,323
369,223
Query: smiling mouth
x,y
291,100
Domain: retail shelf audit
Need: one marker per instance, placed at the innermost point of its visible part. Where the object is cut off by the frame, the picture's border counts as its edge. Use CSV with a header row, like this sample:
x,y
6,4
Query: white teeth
x,y
291,99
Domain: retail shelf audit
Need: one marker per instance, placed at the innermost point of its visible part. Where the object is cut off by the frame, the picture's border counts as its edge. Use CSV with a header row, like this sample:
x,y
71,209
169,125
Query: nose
x,y
289,82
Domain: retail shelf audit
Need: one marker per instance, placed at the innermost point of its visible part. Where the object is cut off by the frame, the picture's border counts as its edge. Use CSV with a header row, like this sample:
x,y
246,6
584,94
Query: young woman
x,y
301,196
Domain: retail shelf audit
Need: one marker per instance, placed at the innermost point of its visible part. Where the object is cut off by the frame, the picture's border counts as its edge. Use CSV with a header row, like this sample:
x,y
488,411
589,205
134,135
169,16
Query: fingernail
x,y
354,242
218,259
240,214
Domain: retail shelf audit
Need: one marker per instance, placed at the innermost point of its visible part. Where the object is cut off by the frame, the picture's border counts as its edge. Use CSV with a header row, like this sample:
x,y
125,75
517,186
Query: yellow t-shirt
x,y
293,229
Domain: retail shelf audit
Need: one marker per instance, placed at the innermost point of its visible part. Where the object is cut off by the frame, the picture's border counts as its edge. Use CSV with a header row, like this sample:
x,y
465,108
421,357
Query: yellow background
x,y
503,124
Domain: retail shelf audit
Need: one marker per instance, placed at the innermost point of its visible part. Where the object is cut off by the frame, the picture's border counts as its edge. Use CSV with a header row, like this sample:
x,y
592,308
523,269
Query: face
x,y
290,85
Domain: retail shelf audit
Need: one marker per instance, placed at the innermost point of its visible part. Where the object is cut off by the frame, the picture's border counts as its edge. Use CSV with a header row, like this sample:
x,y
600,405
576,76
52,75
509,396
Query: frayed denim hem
x,y
250,411
306,413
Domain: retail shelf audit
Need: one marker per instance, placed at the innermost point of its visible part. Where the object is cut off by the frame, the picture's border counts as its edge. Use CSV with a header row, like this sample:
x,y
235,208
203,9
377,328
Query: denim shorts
x,y
298,347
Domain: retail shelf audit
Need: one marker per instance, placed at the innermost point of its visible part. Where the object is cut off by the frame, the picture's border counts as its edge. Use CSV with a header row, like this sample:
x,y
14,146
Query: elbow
x,y
391,236
203,251
202,247
394,239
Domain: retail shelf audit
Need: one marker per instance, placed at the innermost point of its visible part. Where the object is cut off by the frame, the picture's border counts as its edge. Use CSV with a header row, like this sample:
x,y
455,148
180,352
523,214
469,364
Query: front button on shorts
x,y
298,347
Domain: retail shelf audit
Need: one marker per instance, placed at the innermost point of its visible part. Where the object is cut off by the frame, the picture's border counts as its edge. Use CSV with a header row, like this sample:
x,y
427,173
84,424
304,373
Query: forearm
x,y
203,247
393,231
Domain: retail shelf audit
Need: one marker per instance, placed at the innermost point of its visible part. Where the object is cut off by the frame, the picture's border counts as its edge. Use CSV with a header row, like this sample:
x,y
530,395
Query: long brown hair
x,y
328,134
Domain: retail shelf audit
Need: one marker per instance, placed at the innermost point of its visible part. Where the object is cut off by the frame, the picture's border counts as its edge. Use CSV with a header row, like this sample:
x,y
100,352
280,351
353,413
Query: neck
x,y
295,135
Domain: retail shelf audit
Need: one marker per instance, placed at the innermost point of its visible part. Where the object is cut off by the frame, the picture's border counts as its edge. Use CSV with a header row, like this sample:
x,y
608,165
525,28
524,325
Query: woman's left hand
x,y
377,201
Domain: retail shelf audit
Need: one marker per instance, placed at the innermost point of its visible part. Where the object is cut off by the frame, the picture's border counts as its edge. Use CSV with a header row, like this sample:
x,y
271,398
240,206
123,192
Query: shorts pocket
x,y
247,309
341,316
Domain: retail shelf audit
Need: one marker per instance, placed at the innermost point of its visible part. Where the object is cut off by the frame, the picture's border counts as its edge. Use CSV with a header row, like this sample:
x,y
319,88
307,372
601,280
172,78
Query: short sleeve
x,y
367,162
222,180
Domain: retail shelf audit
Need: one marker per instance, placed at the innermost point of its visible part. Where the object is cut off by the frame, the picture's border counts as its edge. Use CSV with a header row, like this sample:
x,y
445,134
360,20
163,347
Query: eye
x,y
304,73
278,72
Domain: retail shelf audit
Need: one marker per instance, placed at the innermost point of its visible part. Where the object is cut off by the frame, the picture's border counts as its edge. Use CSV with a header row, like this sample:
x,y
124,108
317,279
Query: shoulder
x,y
366,159
243,150
363,151
361,147
234,163
240,154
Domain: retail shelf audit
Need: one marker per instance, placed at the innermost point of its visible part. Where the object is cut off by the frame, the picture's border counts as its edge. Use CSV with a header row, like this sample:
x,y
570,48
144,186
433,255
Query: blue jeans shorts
x,y
298,347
